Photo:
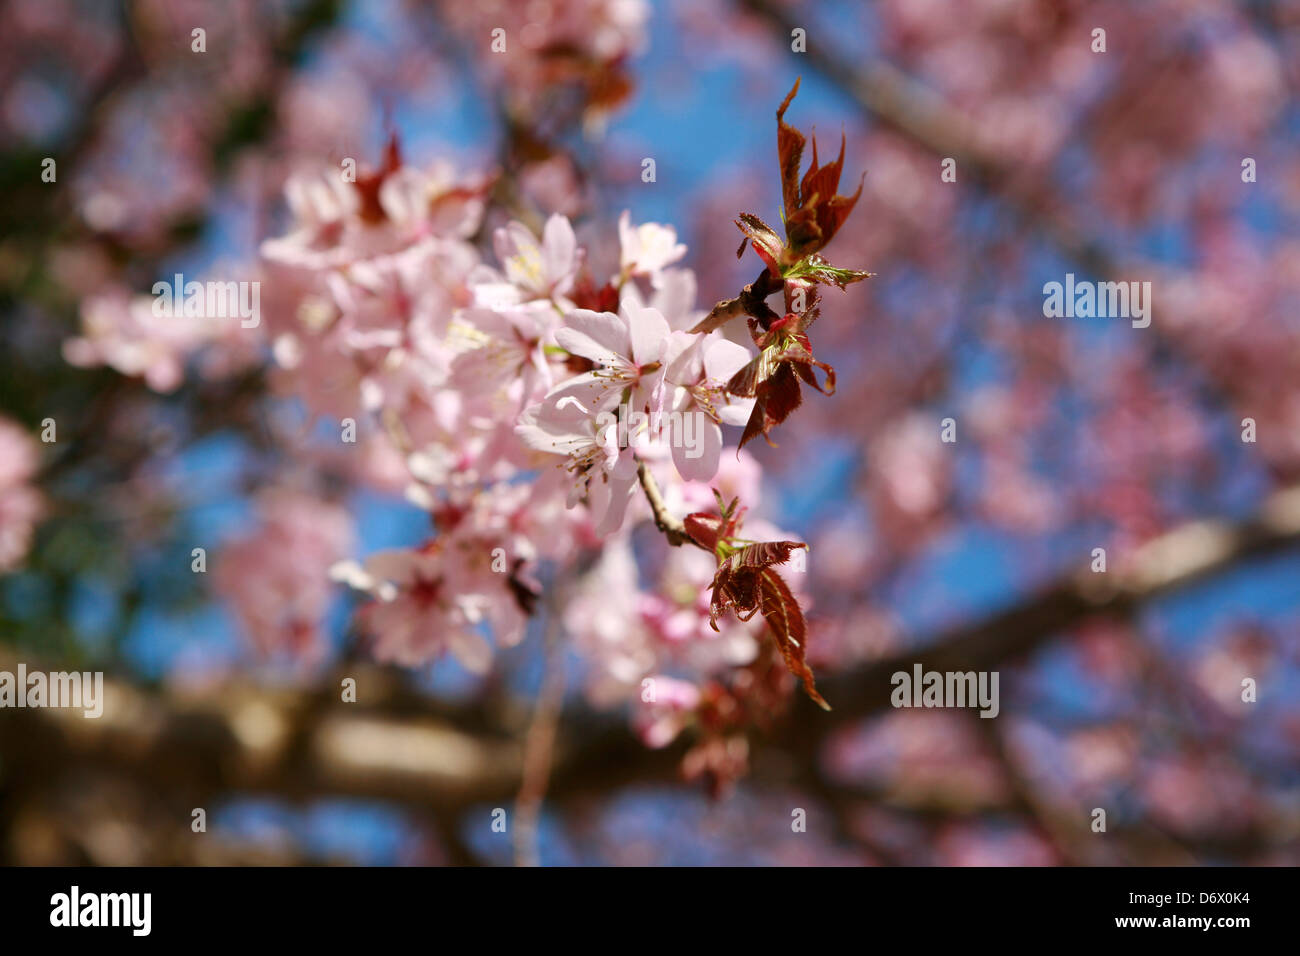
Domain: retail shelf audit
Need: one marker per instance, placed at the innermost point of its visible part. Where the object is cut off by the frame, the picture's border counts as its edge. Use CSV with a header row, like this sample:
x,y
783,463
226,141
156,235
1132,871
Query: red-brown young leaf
x,y
754,373
798,356
762,554
747,583
733,590
708,530
766,242
735,584
805,372
820,182
368,184
703,529
755,426
774,400
802,231
772,377
813,210
834,211
780,394
789,148
587,295
785,619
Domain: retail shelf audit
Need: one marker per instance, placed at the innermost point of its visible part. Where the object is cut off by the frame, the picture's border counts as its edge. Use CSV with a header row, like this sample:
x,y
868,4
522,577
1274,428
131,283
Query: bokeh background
x,y
1120,691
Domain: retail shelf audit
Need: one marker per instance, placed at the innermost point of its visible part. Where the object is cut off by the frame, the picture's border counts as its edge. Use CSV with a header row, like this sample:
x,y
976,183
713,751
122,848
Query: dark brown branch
x,y
401,747
1170,562
751,301
539,744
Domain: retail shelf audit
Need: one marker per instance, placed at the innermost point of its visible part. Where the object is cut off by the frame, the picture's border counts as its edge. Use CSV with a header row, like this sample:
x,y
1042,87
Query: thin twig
x,y
539,744
671,526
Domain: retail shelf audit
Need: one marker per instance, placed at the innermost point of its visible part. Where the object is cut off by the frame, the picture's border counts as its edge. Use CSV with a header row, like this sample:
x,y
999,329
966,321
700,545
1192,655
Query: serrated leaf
x,y
820,182
817,269
789,149
755,372
812,211
765,241
763,554
785,618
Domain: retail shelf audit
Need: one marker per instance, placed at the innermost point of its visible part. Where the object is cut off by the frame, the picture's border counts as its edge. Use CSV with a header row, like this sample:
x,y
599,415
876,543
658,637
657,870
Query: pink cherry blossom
x,y
647,249
124,333
415,616
276,577
627,349
698,373
668,712
601,470
533,269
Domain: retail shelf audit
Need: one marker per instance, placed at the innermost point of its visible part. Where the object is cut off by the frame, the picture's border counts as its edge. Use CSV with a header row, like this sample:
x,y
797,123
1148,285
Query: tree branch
x,y
1166,564
673,528
751,301
399,746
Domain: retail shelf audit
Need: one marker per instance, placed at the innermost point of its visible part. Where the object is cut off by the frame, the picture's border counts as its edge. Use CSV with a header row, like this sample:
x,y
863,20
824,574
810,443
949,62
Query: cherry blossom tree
x,y
366,431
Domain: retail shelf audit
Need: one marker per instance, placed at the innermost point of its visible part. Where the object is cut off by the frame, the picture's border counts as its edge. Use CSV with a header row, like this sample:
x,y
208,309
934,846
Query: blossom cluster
x,y
537,409
508,388
516,398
